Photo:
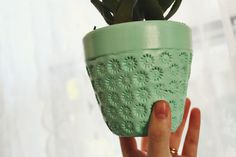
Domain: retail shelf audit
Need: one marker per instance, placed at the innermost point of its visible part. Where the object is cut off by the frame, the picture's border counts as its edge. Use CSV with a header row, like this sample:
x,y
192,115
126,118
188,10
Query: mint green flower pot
x,y
133,65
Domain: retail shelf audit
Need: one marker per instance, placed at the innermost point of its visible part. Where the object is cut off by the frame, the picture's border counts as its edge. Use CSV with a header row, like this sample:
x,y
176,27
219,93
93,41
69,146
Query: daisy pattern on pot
x,y
129,88
127,127
146,61
98,84
160,90
125,81
113,66
111,82
184,70
141,78
157,73
175,86
182,87
108,111
166,58
114,125
100,69
129,63
174,70
127,97
125,112
184,57
141,111
113,98
143,94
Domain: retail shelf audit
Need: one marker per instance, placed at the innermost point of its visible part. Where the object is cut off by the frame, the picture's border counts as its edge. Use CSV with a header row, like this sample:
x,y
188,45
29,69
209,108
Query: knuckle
x,y
191,140
157,136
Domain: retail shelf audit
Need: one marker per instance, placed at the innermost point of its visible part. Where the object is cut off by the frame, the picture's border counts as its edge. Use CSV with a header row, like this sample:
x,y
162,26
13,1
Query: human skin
x,y
160,138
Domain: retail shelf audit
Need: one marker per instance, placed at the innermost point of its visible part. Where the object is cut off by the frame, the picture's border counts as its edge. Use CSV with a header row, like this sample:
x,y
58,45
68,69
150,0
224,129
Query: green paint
x,y
135,64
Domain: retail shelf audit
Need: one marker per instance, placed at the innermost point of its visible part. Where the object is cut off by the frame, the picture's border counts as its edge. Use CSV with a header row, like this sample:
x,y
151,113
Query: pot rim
x,y
138,35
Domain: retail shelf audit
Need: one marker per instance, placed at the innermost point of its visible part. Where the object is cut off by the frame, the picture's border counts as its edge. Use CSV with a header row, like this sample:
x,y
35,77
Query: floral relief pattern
x,y
125,81
182,87
157,73
160,90
128,127
111,82
184,57
147,61
166,58
175,86
141,78
113,98
109,111
114,126
143,94
128,84
114,66
183,70
141,111
174,69
129,63
127,96
98,84
101,69
125,112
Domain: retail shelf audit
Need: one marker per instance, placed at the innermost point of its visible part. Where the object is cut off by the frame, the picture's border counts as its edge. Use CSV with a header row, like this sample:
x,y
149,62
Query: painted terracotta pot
x,y
132,65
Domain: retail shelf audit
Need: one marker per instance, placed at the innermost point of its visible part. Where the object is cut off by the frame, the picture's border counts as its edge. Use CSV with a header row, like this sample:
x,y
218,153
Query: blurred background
x,y
47,105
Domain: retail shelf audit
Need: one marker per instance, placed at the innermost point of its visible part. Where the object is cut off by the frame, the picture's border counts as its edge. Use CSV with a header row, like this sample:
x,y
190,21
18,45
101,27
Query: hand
x,y
160,139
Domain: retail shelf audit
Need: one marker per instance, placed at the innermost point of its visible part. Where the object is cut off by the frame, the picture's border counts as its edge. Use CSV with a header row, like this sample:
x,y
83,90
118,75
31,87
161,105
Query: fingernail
x,y
161,110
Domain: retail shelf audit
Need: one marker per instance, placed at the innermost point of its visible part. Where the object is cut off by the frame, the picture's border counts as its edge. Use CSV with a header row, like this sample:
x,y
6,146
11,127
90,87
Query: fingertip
x,y
128,144
188,101
161,109
159,129
187,104
186,108
196,112
195,117
160,102
161,117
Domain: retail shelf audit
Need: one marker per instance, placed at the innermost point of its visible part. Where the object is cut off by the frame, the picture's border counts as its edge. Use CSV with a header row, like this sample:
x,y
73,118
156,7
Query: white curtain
x,y
47,105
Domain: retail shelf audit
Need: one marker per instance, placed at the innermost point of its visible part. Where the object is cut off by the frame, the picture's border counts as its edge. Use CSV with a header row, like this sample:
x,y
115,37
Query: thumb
x,y
159,130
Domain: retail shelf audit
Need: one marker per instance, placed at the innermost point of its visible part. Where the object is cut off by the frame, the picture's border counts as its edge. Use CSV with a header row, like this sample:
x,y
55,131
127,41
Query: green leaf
x,y
174,8
106,13
138,14
152,10
111,4
125,11
119,11
165,4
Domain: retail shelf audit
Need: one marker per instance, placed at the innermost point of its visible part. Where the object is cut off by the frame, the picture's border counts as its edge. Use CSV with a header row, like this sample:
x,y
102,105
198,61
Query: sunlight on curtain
x,y
47,105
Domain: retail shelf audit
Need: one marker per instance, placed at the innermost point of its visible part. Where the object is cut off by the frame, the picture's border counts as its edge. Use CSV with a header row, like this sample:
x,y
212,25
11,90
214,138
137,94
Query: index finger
x,y
191,141
128,145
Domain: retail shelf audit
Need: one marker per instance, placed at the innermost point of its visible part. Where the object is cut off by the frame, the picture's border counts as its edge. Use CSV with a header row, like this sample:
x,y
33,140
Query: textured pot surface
x,y
132,65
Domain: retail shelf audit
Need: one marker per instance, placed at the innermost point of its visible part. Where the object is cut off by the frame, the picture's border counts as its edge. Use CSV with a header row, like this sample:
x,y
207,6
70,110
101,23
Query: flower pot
x,y
132,65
